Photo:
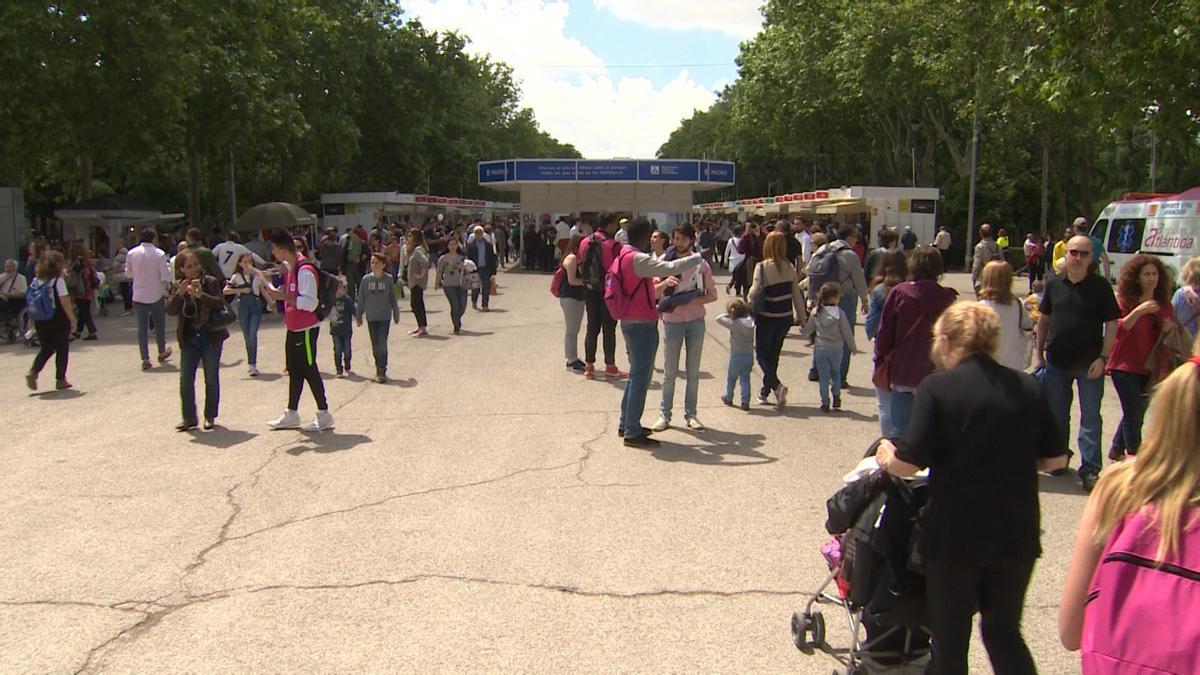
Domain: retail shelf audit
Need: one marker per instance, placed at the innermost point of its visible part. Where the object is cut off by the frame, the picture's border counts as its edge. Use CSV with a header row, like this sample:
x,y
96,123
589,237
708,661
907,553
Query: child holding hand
x,y
741,349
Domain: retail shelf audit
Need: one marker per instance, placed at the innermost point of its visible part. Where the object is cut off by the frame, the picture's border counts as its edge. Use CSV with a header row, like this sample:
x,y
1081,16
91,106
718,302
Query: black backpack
x,y
327,285
593,265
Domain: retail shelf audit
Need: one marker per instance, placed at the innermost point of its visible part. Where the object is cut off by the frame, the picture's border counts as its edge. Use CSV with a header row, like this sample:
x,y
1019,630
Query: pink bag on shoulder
x,y
1143,617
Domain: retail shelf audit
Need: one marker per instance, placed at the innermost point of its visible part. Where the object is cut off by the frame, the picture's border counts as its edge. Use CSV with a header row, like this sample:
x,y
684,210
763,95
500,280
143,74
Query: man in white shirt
x,y
562,236
12,289
805,238
230,251
148,271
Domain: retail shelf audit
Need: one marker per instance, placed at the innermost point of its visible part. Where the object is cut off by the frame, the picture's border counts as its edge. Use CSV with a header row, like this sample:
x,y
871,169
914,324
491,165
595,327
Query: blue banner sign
x,y
607,170
493,172
546,170
717,172
669,171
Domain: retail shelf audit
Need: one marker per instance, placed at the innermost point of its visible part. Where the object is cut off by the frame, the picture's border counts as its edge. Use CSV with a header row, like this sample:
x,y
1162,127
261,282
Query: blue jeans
x,y
675,335
829,362
379,338
485,285
191,359
341,350
249,314
145,312
1131,389
457,295
740,364
849,305
1057,384
884,400
641,345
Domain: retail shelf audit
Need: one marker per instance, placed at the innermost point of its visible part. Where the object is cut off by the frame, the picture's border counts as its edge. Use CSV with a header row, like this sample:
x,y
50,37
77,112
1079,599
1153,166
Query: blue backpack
x,y
39,298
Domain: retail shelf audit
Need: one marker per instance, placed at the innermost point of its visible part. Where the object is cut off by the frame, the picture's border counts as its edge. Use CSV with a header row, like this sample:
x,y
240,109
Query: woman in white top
x,y
995,291
247,285
54,333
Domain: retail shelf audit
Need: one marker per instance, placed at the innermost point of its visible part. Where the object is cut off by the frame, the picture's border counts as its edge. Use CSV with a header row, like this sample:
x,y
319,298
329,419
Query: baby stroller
x,y
11,319
875,570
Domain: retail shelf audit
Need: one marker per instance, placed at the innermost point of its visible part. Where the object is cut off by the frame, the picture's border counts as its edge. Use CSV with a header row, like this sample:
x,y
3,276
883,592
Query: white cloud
x,y
740,18
602,115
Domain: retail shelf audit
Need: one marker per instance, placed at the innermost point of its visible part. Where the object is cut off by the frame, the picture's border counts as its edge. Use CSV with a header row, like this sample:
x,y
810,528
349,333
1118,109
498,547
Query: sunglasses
x,y
1075,253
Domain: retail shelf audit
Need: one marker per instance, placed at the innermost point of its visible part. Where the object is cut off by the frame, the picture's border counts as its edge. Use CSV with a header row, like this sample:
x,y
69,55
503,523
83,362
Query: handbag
x,y
1170,350
1026,336
758,303
882,377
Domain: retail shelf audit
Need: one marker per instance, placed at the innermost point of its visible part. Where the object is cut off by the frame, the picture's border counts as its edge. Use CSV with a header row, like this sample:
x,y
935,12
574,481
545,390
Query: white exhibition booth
x,y
344,210
659,189
874,206
102,223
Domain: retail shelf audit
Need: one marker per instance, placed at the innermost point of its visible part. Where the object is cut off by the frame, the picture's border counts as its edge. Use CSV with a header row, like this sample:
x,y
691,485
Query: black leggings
x,y
769,334
955,592
83,308
418,306
54,336
300,354
599,319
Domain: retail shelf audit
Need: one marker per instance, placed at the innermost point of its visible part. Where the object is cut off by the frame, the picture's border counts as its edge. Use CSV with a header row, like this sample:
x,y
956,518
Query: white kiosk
x,y
661,189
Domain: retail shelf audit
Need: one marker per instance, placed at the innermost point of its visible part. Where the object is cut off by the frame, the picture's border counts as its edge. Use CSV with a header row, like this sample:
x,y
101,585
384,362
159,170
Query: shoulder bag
x,y
1170,350
758,303
882,377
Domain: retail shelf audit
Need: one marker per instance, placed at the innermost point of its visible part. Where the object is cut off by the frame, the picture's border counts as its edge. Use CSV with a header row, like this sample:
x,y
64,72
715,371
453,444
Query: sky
x,y
612,77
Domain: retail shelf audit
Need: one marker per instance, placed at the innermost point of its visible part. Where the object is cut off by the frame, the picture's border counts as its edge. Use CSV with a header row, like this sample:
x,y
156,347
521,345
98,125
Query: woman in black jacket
x,y
196,300
984,431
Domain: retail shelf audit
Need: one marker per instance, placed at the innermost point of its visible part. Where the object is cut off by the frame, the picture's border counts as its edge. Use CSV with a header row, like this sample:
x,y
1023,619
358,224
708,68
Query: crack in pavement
x,y
155,611
116,607
152,619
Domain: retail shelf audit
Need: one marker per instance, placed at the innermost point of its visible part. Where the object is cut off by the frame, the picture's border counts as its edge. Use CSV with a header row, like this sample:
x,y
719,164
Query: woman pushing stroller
x,y
984,431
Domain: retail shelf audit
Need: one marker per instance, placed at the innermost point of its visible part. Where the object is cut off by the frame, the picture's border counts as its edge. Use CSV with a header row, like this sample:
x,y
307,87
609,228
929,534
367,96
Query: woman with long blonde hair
x,y
1136,554
777,293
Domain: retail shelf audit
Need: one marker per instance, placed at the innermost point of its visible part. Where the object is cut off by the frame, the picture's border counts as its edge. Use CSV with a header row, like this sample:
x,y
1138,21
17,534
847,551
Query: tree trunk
x,y
1045,181
85,176
193,188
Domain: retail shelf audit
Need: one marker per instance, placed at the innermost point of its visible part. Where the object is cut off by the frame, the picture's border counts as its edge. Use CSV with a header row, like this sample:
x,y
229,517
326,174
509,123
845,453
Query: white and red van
x,y
1166,225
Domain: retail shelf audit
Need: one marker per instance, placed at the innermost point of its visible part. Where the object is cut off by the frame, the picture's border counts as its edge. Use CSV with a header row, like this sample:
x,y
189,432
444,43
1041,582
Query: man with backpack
x,y
629,291
307,296
353,255
838,263
986,251
596,254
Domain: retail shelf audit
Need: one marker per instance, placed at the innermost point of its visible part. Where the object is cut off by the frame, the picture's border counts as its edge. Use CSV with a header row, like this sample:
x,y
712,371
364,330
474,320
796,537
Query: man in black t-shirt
x,y
1075,335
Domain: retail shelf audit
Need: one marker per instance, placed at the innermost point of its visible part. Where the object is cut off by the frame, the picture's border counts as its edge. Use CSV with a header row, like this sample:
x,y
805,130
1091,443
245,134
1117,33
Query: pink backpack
x,y
615,296
1142,617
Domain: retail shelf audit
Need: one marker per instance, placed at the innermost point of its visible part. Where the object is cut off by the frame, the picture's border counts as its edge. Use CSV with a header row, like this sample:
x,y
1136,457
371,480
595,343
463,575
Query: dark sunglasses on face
x,y
1076,253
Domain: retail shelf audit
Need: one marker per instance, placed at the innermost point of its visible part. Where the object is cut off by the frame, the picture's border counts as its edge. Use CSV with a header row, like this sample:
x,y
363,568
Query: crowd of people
x,y
978,392
955,393
210,283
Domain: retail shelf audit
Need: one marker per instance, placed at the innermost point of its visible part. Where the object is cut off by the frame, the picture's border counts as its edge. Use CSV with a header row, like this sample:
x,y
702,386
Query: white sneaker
x,y
781,396
694,424
290,419
662,424
253,371
323,422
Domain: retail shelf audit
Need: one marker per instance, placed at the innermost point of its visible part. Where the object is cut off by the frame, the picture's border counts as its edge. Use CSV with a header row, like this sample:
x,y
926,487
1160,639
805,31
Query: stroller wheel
x,y
817,628
799,631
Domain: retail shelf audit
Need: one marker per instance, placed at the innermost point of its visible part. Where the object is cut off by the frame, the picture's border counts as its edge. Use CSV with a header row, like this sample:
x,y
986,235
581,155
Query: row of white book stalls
x,y
104,223
872,207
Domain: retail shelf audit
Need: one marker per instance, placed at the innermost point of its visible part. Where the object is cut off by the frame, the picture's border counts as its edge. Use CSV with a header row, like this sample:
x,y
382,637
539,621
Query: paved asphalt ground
x,y
478,513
